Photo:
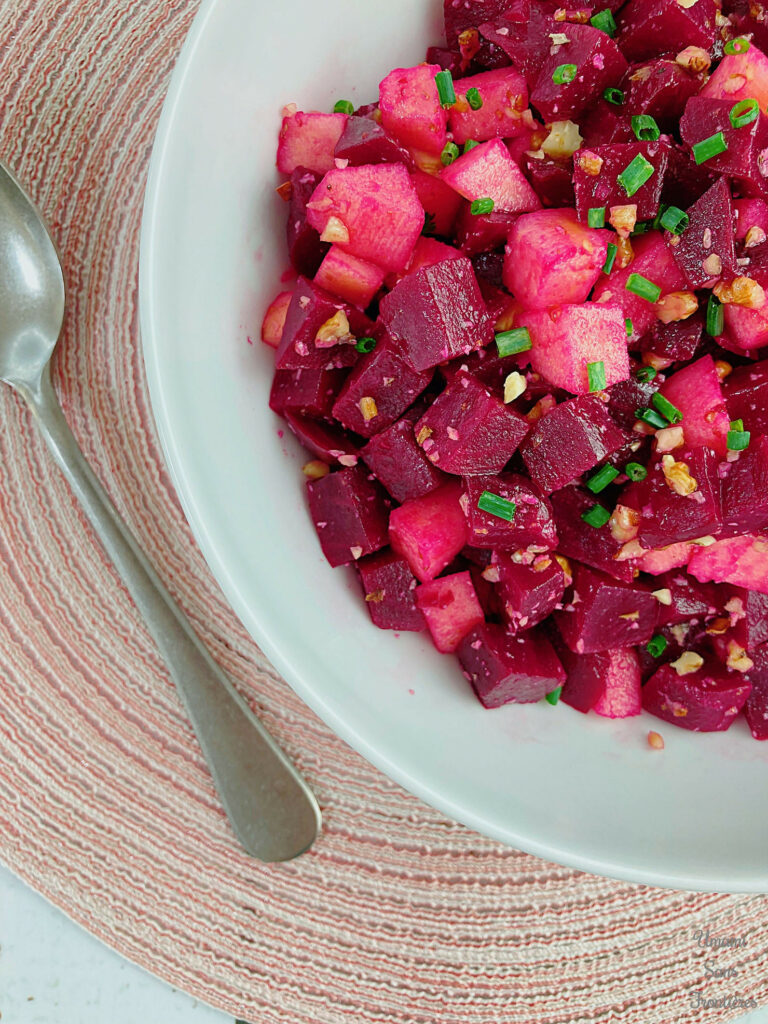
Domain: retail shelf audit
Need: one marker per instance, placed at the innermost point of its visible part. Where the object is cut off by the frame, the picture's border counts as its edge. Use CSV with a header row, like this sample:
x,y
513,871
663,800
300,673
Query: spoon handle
x,y
270,807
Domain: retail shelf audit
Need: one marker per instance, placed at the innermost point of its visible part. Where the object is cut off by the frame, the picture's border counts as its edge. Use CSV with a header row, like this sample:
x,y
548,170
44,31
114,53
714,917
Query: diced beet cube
x,y
441,203
309,140
756,706
411,110
310,308
372,212
622,693
695,391
745,491
451,608
551,259
661,89
626,397
605,613
705,701
599,61
566,339
685,180
585,677
274,319
750,213
532,523
505,668
429,531
365,142
378,391
483,232
669,517
461,15
448,60
689,599
427,252
399,464
349,511
469,431
677,341
742,561
327,443
310,391
437,314
304,246
489,172
578,540
743,158
529,593
389,585
528,44
352,279
745,390
749,612
551,181
705,252
604,189
650,27
569,441
740,76
504,93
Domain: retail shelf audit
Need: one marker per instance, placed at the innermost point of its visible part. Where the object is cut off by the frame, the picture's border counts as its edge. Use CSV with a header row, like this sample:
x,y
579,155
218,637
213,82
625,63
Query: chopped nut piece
x,y
723,369
423,434
285,191
657,362
590,162
755,236
679,631
368,408
558,38
632,549
625,253
669,438
624,523
687,3
713,265
738,659
677,305
335,231
707,238
565,565
347,460
663,596
741,291
563,140
624,219
376,597
677,476
491,574
315,469
718,627
333,331
630,616
655,740
704,542
514,386
543,406
694,59
687,663
356,552
469,43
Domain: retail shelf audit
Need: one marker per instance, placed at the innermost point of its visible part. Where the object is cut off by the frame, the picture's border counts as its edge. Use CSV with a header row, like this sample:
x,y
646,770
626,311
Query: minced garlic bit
x,y
631,616
755,236
315,469
741,291
678,476
703,542
333,331
590,162
687,663
423,434
663,596
712,265
623,219
694,58
686,4
677,306
564,140
368,408
669,438
723,369
738,659
514,386
655,740
375,597
356,552
624,523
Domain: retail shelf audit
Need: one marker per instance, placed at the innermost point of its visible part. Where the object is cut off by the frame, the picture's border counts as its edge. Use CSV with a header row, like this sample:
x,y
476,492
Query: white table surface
x,y
52,972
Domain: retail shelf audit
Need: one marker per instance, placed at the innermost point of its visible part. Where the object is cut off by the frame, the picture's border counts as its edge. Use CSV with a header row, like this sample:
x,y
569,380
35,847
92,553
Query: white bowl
x,y
575,789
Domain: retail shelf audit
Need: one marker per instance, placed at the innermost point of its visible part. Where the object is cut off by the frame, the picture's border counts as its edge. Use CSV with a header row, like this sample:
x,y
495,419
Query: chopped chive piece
x,y
480,206
564,73
642,227
641,286
604,21
740,45
470,144
646,373
610,259
656,645
600,480
737,424
445,89
635,175
652,418
715,317
629,327
450,153
668,411
596,376
509,343
343,107
708,148
738,440
744,113
474,99
497,506
596,217
645,128
553,696
615,96
365,344
635,471
675,220
430,225
663,207
596,516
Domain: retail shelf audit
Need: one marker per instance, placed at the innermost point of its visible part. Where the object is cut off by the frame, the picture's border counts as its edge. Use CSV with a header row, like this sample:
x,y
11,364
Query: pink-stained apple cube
x,y
489,172
740,76
742,561
309,140
410,107
656,561
750,213
274,319
388,587
372,212
622,693
695,391
599,64
605,613
552,259
509,668
708,700
504,95
397,461
451,608
747,329
756,706
349,510
566,339
349,277
528,593
429,531
532,522
441,203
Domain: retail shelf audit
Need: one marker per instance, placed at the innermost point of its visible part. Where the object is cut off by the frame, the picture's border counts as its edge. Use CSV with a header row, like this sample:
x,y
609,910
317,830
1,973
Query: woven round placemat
x,y
106,806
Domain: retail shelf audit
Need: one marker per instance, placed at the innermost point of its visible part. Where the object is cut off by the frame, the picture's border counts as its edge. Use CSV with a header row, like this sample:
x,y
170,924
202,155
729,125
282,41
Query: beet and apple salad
x,y
522,345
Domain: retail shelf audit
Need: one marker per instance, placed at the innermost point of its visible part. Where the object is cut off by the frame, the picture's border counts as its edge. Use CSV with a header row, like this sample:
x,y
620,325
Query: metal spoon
x,y
270,807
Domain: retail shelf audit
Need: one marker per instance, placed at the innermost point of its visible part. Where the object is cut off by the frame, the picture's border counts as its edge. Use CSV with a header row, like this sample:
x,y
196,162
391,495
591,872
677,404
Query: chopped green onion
x,y
668,411
553,696
635,471
430,225
480,206
744,113
740,45
474,99
450,153
604,21
675,220
610,258
656,645
613,95
642,227
709,148
641,286
596,516
715,317
646,373
510,343
596,217
445,89
652,418
645,128
564,73
737,424
663,207
600,480
596,376
365,344
635,175
470,144
737,440
497,506
343,107
629,327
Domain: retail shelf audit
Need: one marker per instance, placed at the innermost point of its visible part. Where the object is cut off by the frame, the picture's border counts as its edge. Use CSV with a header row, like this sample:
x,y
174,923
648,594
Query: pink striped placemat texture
x,y
106,807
